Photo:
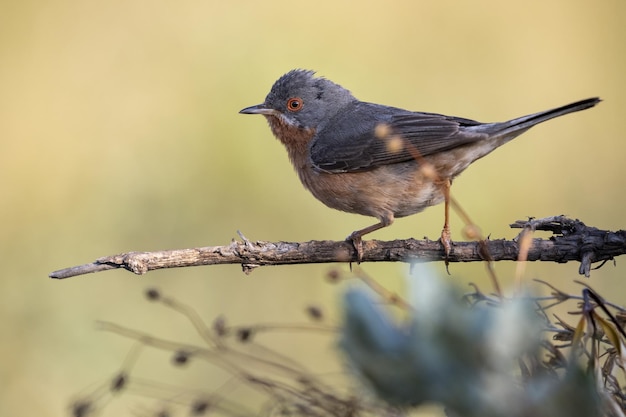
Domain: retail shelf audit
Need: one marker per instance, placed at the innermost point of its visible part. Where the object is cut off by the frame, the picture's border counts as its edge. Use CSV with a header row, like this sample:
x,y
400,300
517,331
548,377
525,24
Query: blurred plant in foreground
x,y
473,354
279,385
484,358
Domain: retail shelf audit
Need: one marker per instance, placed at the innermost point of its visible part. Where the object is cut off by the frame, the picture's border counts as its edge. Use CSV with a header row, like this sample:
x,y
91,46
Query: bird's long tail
x,y
512,128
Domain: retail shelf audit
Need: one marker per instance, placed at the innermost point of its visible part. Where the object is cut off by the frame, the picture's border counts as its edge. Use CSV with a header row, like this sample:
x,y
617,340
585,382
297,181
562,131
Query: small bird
x,y
375,160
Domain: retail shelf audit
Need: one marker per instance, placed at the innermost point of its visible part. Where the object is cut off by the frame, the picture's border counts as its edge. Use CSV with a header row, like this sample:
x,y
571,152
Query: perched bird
x,y
376,160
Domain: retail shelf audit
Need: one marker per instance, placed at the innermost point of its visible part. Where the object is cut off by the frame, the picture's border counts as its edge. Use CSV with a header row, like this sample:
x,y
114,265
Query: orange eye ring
x,y
294,104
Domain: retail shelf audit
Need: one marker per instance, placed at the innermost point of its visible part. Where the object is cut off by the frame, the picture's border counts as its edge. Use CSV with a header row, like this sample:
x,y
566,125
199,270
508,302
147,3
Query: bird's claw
x,y
357,242
446,242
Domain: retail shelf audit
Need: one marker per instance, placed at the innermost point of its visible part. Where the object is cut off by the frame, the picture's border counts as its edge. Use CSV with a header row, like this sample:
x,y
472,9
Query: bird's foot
x,y
446,242
357,242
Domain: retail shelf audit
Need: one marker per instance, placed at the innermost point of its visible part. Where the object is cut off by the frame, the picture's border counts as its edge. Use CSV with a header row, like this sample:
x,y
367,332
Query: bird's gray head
x,y
301,100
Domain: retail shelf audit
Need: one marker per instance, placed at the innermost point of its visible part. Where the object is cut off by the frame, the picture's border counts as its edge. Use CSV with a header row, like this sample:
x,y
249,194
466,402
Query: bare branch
x,y
572,241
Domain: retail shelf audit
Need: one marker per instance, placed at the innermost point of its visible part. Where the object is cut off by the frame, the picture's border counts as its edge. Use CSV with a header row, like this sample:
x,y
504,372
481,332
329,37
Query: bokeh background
x,y
119,130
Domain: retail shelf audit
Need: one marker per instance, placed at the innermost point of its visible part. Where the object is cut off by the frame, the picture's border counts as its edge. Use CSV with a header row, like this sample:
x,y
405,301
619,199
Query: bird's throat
x,y
295,138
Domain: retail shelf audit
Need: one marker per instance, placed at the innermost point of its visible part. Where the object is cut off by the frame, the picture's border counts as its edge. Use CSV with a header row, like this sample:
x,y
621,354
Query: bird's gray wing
x,y
351,141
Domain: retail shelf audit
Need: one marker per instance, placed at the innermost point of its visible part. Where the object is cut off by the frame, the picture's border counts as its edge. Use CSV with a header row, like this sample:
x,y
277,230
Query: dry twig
x,y
572,241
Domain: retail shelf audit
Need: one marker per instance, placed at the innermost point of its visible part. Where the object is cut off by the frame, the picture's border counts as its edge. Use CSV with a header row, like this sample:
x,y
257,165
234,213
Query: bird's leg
x,y
356,236
446,239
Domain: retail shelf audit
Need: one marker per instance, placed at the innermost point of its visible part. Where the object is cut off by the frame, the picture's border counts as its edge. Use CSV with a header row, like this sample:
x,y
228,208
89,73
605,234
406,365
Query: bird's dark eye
x,y
294,104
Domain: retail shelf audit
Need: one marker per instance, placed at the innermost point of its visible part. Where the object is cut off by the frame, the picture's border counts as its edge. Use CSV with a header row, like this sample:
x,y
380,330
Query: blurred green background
x,y
119,131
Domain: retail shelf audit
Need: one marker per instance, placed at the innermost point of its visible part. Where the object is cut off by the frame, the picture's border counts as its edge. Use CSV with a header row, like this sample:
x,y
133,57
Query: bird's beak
x,y
258,109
